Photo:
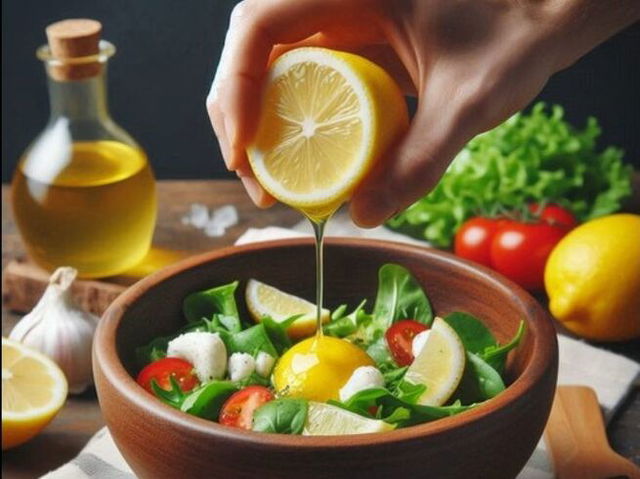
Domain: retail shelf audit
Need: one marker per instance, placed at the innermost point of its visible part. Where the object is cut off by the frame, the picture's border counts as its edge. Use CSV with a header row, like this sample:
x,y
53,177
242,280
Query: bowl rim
x,y
105,357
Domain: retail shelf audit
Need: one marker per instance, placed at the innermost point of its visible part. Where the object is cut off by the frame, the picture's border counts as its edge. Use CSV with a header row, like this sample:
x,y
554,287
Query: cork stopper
x,y
73,43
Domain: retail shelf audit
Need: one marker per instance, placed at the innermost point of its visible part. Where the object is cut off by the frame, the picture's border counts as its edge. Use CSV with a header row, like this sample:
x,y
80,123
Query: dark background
x,y
167,54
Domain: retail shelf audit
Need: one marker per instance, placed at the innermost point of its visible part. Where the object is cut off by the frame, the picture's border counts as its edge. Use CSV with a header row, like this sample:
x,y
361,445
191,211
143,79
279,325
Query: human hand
x,y
471,63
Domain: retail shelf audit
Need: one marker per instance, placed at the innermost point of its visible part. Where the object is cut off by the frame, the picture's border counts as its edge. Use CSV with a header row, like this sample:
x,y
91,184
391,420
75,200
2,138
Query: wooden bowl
x,y
493,440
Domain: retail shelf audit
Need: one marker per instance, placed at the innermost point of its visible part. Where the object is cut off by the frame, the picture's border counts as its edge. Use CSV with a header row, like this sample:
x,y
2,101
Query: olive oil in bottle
x,y
83,193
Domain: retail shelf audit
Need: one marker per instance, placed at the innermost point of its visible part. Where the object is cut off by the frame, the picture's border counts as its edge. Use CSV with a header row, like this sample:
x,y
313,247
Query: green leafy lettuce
x,y
533,156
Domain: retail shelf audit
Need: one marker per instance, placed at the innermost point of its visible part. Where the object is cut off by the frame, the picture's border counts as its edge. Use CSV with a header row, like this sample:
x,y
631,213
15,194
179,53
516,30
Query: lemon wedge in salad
x,y
34,389
326,117
264,300
327,420
439,366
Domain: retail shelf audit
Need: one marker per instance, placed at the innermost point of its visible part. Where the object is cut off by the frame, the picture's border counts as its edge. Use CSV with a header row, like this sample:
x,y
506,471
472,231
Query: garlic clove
x,y
58,328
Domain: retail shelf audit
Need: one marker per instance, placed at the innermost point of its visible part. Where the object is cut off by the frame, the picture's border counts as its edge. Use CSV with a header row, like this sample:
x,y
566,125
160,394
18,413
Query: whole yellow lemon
x,y
316,368
592,278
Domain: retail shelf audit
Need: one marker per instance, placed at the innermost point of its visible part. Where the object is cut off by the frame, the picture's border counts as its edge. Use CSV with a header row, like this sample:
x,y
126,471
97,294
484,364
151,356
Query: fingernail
x,y
254,190
372,209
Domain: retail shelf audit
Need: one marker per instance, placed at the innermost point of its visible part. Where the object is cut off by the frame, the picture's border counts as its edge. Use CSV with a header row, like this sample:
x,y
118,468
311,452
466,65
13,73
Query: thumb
x,y
412,168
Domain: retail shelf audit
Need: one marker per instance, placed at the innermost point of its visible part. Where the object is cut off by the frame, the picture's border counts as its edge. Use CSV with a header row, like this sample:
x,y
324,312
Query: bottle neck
x,y
79,100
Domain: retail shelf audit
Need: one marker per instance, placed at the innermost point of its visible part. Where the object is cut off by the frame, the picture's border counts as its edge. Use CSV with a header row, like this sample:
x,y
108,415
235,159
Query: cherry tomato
x,y
238,410
473,239
162,369
554,215
400,338
520,251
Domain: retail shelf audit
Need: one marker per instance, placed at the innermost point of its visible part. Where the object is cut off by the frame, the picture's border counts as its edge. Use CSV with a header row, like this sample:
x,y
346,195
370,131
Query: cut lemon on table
x,y
316,368
326,117
327,420
439,366
33,391
264,300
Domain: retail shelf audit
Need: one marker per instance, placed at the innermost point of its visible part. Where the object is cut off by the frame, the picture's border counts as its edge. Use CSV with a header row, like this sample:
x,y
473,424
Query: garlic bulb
x,y
59,329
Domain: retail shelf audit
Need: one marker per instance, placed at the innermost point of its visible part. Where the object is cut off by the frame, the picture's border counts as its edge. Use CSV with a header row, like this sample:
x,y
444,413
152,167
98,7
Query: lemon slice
x,y
327,420
326,117
264,300
439,366
33,391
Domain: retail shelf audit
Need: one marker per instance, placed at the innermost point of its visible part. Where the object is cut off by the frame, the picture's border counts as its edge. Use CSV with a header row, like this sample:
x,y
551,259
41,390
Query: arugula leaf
x,y
532,156
399,296
393,376
218,300
342,325
207,400
475,336
285,416
496,355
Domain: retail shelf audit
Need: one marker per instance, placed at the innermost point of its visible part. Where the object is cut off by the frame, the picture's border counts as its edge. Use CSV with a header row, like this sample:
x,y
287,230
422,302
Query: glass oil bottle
x,y
83,192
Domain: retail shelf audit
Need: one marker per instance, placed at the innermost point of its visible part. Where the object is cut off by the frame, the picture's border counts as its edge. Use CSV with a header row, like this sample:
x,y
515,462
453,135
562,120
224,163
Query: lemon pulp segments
x,y
322,126
33,391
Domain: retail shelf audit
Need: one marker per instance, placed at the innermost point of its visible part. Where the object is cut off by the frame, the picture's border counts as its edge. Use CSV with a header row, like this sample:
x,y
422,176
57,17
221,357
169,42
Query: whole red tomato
x,y
554,215
473,239
520,251
161,370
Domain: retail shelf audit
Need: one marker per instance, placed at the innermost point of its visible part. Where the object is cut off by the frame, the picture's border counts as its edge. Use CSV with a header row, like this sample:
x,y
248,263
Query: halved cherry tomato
x,y
520,251
400,338
238,410
162,369
554,215
473,239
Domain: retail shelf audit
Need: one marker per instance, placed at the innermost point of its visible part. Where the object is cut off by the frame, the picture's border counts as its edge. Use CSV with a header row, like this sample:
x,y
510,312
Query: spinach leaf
x,y
388,405
479,381
218,300
277,332
284,416
399,296
251,341
156,349
207,400
475,336
496,355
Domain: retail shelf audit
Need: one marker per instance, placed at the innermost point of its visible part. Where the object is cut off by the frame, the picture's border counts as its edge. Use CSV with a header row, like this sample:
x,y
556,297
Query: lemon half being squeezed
x,y
326,117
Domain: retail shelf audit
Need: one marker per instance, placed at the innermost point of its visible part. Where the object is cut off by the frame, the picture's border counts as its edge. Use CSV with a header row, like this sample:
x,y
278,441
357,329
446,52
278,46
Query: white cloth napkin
x,y
610,375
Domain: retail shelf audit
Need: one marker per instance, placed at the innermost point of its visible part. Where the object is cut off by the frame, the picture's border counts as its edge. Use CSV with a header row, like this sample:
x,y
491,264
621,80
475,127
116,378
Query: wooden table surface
x,y
81,418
